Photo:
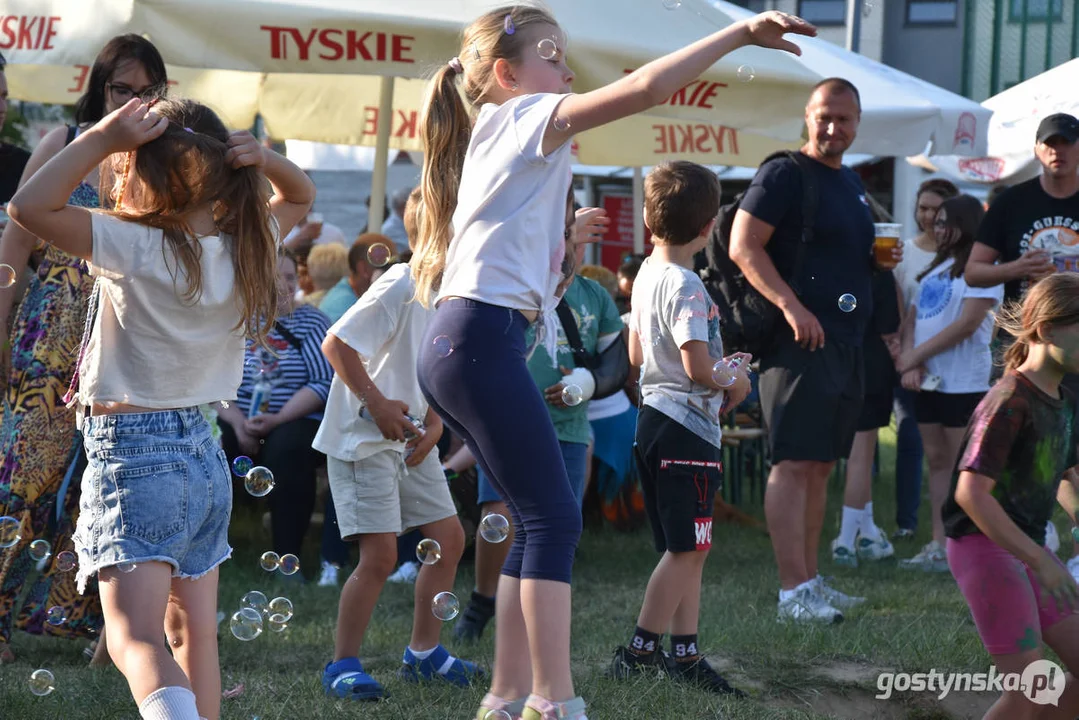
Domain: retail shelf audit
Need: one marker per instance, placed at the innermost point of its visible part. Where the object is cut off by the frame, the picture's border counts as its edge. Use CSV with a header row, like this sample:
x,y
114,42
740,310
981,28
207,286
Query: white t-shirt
x,y
964,368
670,308
509,225
150,347
915,260
386,328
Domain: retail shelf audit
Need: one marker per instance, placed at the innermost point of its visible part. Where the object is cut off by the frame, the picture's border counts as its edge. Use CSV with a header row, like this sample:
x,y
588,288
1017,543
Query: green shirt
x,y
596,316
338,300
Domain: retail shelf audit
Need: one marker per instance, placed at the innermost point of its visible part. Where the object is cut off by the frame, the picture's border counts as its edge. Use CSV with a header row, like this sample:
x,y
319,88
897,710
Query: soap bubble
x,y
9,531
379,255
494,528
66,561
561,124
445,606
42,682
547,49
847,302
241,465
443,346
278,623
127,567
246,624
269,561
259,481
40,549
670,5
289,565
281,606
725,372
867,8
56,615
497,715
746,73
255,600
428,551
572,395
8,276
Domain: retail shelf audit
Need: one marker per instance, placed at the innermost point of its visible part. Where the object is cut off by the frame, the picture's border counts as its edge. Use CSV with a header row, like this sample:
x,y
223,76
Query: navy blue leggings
x,y
472,369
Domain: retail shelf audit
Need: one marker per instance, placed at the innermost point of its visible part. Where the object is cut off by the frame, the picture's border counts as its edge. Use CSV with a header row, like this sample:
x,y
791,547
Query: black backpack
x,y
748,320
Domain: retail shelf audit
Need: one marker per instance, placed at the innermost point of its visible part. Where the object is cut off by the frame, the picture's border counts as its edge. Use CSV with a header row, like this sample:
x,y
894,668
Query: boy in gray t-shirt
x,y
674,338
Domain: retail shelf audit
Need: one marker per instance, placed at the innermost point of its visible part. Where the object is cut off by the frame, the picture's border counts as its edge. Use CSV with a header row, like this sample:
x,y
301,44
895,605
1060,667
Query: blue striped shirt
x,y
287,367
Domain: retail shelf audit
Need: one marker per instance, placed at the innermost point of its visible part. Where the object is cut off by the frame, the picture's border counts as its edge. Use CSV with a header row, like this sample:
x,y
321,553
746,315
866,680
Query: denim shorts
x,y
157,488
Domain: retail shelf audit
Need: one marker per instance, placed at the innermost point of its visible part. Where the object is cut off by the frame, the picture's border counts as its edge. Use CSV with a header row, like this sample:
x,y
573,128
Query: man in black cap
x,y
1033,227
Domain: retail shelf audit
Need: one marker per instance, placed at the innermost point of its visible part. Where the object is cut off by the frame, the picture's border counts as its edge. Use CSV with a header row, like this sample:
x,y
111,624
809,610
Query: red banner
x,y
618,242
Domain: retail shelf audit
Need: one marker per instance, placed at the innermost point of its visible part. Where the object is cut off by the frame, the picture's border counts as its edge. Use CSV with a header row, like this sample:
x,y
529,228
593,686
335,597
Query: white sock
x,y
788,594
169,703
869,528
848,528
422,654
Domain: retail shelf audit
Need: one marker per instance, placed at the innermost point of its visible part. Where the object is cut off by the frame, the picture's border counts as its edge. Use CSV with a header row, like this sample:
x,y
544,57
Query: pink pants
x,y
1009,607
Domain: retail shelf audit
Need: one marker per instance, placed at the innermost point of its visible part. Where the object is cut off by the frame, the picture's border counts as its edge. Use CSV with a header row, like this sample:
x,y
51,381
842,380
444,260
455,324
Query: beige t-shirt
x,y
148,346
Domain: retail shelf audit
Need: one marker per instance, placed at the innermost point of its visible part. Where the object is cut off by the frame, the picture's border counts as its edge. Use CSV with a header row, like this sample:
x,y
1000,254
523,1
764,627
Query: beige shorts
x,y
379,494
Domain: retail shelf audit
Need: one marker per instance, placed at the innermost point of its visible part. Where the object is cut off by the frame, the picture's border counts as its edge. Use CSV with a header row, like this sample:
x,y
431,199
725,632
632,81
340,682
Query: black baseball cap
x,y
1062,124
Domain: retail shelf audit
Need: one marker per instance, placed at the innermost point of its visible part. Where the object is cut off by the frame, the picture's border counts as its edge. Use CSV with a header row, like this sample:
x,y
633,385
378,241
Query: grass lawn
x,y
911,622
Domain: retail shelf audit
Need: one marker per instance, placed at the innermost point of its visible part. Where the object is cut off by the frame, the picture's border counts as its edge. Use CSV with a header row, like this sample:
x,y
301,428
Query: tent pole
x,y
382,155
638,211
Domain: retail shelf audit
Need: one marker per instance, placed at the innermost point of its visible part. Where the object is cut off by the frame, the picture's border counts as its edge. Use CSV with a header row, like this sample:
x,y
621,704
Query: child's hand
x,y
1058,582
421,445
737,393
244,150
391,418
131,126
590,225
912,379
768,29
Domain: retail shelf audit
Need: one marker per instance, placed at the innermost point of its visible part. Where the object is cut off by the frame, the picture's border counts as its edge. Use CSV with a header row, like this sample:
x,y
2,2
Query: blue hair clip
x,y
187,129
508,25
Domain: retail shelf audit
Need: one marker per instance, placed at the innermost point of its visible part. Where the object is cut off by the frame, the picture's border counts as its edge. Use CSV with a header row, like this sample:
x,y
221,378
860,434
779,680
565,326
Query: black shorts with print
x,y
680,474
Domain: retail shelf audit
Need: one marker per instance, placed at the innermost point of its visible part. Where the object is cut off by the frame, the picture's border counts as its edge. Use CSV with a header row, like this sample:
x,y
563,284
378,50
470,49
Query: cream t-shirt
x,y
149,347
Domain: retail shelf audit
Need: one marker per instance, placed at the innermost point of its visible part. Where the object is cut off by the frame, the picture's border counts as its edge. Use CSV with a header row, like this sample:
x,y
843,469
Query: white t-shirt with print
x,y
670,308
509,225
386,327
915,260
964,368
149,346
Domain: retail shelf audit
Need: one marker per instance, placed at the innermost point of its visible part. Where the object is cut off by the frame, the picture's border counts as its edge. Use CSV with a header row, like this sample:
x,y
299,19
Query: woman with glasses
x,y
41,457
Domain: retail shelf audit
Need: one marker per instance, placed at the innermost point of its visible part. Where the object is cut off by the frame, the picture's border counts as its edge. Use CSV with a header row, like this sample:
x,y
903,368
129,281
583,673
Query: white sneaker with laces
x,y
1073,568
875,548
931,558
843,555
806,605
835,598
406,573
328,578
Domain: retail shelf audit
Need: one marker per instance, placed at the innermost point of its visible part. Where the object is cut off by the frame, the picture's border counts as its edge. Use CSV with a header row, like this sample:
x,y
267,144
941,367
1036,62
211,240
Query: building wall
x,y
932,53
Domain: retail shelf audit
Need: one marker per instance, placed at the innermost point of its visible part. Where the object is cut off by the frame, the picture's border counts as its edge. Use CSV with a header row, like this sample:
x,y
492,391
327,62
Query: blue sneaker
x,y
346,679
439,665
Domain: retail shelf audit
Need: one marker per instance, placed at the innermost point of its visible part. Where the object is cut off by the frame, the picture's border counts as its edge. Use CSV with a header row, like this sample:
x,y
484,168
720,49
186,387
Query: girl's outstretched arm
x,y
653,83
41,206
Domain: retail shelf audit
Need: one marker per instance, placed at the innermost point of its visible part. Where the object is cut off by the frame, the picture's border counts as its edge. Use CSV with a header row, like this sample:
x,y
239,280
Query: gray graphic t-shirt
x,y
670,308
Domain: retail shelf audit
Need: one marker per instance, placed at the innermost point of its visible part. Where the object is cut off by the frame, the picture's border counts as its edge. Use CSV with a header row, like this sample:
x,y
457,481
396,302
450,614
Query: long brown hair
x,y
446,128
963,216
1052,302
944,189
184,170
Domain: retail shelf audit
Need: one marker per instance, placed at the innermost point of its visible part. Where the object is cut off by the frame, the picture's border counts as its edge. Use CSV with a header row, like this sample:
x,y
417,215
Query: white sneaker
x,y
835,598
1073,568
844,555
932,558
875,548
328,578
1052,538
406,573
807,606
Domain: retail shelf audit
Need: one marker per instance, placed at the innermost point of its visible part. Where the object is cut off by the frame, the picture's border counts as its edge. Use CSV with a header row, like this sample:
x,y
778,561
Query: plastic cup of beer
x,y
885,241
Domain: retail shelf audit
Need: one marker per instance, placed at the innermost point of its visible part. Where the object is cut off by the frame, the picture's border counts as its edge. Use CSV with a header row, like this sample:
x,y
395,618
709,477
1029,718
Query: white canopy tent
x,y
1016,113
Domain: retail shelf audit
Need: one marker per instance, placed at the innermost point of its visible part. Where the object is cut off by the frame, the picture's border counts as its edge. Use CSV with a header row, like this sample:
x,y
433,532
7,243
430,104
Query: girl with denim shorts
x,y
184,269
491,257
1020,443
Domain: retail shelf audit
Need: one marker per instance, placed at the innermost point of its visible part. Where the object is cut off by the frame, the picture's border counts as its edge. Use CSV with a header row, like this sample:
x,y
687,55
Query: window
x,y
932,12
1036,10
823,12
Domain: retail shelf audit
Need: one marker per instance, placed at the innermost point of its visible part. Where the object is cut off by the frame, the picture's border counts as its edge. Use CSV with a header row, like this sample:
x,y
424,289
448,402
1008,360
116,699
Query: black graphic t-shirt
x,y
1025,218
1024,441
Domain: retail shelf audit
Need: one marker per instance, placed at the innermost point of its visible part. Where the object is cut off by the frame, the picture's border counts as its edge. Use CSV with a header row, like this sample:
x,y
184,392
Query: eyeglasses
x,y
940,223
121,93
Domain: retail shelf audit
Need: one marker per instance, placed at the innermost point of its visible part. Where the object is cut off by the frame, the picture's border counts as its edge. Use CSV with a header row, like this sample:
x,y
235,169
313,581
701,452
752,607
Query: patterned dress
x,y
39,447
